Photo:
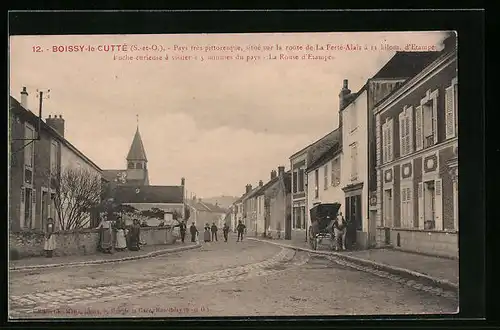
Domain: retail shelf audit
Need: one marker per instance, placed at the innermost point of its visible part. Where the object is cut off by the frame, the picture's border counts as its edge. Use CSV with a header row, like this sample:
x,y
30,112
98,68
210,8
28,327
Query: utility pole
x,y
40,96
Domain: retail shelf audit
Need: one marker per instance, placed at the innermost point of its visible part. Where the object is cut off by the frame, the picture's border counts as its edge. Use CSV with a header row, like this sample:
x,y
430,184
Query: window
x,y
138,166
428,121
131,165
326,174
29,135
354,161
54,157
406,207
336,172
387,141
405,131
294,179
451,109
301,180
316,184
353,119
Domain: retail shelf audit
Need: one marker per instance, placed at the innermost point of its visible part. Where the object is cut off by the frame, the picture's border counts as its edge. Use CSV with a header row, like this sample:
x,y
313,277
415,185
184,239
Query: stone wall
x,y
436,243
83,242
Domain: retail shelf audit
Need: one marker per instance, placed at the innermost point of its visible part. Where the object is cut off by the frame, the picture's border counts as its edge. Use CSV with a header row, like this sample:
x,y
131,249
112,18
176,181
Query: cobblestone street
x,y
220,279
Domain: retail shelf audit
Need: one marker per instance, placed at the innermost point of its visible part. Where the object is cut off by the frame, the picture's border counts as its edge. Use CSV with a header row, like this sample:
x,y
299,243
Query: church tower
x,y
137,162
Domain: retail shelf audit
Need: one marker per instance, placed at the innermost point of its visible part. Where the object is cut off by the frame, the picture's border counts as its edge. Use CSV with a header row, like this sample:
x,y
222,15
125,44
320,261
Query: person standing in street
x,y
241,229
135,236
106,234
206,234
182,230
193,230
50,240
225,231
121,242
214,232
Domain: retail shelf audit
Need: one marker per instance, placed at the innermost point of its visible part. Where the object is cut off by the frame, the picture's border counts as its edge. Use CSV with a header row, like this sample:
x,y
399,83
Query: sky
x,y
221,124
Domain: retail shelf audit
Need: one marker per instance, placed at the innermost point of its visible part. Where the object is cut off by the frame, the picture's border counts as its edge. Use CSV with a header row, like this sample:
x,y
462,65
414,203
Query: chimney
x,y
24,98
248,188
273,174
281,170
183,181
261,183
56,123
344,92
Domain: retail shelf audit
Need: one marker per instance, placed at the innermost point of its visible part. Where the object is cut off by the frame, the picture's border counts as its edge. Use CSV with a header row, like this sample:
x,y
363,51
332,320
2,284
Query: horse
x,y
340,230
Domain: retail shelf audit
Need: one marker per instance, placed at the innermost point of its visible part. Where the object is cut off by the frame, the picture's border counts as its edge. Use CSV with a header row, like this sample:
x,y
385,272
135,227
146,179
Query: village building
x,y
324,179
251,208
296,227
236,213
359,141
273,204
39,153
131,186
202,213
417,168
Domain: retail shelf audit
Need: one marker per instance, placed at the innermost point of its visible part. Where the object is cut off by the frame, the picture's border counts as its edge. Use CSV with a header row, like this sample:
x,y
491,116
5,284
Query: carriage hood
x,y
324,213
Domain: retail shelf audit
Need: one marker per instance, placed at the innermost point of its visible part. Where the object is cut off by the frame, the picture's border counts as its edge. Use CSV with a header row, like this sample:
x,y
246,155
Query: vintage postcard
x,y
273,174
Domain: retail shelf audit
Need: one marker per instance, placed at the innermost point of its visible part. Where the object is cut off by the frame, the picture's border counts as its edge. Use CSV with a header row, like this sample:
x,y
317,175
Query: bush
x,y
14,254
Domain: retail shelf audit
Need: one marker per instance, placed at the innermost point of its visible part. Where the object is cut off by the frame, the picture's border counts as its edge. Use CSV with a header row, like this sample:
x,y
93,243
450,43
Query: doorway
x,y
353,216
388,207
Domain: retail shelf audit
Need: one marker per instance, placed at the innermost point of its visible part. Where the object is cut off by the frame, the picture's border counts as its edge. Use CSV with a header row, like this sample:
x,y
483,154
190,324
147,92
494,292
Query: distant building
x,y
203,213
36,166
273,204
417,160
251,208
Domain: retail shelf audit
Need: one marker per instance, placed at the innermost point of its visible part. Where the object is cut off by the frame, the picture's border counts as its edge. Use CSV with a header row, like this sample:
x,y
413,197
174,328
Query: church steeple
x,y
137,151
137,169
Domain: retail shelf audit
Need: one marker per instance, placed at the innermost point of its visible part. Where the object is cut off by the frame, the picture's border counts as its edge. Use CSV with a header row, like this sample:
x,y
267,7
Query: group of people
x,y
210,232
125,237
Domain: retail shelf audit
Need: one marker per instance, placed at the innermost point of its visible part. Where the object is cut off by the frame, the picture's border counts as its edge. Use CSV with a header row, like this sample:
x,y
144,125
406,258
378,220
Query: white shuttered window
x,y
451,107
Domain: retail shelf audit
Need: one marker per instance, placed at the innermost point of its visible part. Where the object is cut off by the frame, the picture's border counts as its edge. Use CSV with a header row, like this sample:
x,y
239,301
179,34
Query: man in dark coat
x,y
214,231
182,230
225,231
241,228
193,230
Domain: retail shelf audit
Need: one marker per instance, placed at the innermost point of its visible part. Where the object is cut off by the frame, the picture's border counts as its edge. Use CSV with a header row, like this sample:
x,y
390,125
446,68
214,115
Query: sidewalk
x,y
445,270
146,251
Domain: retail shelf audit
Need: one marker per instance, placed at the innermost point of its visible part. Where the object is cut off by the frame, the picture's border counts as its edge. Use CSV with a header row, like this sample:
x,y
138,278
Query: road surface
x,y
221,279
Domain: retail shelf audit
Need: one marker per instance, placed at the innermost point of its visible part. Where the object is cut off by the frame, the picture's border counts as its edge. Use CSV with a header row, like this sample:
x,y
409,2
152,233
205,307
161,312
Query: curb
x,y
441,283
104,261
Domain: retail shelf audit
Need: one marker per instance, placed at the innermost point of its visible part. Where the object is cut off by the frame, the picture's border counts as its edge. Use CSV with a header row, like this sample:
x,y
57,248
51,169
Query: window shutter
x,y
391,139
21,208
384,143
419,136
403,207
421,205
33,208
438,205
449,113
434,119
402,145
409,130
409,201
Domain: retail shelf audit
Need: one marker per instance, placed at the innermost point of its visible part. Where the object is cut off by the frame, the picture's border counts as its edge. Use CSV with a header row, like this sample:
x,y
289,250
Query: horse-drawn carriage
x,y
322,216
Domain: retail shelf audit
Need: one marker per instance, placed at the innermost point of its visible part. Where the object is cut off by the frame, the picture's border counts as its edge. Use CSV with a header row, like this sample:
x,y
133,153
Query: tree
x,y
77,193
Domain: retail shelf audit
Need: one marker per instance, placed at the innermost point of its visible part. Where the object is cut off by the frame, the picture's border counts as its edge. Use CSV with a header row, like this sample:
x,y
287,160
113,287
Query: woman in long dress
x,y
106,236
50,239
135,236
121,242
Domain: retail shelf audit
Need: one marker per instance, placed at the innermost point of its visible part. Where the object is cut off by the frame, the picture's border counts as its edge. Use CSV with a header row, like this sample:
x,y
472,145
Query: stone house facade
x,y
417,149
